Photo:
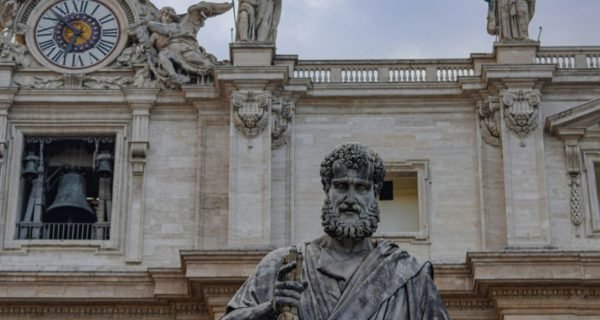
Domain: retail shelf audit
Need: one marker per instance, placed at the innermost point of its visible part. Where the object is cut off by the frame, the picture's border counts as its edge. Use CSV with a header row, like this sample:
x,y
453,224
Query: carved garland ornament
x,y
572,152
251,112
521,112
283,112
489,121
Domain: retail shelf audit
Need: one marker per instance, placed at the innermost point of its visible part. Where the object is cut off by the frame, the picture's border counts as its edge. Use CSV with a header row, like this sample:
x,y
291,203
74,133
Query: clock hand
x,y
69,25
71,43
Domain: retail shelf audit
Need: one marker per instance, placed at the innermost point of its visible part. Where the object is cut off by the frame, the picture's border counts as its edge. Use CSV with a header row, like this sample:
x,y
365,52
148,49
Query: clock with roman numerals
x,y
76,36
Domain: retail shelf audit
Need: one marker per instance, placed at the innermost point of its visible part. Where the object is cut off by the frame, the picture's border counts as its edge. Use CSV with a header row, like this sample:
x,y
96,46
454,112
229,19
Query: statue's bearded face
x,y
350,210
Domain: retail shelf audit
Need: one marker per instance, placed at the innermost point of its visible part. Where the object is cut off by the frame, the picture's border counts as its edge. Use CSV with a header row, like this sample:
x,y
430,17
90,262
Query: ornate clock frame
x,y
37,9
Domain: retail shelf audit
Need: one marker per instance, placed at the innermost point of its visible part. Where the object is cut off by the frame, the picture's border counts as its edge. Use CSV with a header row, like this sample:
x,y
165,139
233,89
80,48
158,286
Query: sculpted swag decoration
x,y
344,274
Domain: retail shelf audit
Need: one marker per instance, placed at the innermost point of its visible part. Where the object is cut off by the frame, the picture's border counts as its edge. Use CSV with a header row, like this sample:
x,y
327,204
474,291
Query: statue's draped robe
x,y
514,17
388,284
263,18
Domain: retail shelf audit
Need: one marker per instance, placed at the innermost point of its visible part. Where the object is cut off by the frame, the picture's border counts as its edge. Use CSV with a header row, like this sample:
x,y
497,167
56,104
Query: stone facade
x,y
208,176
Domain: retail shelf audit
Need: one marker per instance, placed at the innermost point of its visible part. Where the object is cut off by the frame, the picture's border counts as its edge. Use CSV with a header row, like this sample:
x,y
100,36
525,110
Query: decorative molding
x,y
545,293
141,101
76,81
216,291
251,112
474,303
6,101
283,110
488,284
107,310
521,112
489,120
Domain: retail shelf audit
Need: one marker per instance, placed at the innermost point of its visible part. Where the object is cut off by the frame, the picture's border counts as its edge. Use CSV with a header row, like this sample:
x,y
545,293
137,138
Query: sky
x,y
400,29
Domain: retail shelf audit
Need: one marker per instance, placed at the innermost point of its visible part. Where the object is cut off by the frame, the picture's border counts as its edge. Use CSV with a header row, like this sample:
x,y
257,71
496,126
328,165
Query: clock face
x,y
76,36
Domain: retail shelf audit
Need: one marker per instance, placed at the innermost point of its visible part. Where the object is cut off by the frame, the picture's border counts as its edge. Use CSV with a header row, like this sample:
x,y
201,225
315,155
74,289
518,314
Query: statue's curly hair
x,y
171,12
353,156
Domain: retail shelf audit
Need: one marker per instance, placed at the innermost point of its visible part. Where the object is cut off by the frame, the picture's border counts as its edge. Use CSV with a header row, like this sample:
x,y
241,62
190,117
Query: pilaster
x,y
282,170
6,73
6,99
491,171
524,170
141,101
250,169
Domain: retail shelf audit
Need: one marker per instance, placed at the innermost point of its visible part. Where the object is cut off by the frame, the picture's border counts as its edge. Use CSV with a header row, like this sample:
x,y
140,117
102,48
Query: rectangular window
x,y
403,201
66,188
590,187
597,180
399,203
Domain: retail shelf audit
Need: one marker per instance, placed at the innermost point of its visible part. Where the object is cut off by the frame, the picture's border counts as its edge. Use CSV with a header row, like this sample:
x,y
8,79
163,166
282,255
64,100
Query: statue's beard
x,y
339,228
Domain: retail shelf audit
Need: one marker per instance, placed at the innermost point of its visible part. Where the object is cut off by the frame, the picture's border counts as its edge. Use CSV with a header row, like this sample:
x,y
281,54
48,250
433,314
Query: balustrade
x,y
428,70
407,74
593,61
383,71
570,57
317,75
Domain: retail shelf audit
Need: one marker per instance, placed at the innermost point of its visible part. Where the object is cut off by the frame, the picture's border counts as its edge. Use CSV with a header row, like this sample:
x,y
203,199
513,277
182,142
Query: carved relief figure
x,y
171,47
258,20
343,274
509,19
8,13
9,49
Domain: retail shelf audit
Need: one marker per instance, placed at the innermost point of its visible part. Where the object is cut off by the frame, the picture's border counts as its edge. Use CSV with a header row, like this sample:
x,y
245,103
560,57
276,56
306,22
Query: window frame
x,y
591,199
13,182
421,167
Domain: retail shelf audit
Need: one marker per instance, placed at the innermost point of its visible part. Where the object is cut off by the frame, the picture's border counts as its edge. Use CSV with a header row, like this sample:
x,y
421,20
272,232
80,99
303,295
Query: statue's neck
x,y
341,258
349,247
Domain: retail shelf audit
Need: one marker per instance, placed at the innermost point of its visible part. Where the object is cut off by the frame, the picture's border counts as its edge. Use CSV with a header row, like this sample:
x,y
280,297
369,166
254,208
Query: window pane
x,y
402,213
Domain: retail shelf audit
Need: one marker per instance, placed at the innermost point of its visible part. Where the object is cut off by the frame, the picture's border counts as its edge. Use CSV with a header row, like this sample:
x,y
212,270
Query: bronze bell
x,y
30,171
104,168
70,204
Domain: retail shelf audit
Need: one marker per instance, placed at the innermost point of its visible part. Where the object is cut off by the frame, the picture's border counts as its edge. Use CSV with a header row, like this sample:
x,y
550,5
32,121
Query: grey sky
x,y
400,29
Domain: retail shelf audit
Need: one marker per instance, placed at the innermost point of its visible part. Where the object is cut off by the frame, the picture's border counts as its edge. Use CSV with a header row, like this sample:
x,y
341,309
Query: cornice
x,y
580,116
482,285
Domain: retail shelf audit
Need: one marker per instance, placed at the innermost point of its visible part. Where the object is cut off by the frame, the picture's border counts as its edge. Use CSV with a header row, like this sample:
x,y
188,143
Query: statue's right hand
x,y
286,293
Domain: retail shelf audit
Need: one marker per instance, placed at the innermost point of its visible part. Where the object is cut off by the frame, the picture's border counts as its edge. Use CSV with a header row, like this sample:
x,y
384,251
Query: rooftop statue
x,y
170,45
509,19
344,274
258,20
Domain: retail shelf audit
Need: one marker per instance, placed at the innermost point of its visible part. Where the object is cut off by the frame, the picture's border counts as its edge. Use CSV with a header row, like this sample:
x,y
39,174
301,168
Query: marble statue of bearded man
x,y
344,274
